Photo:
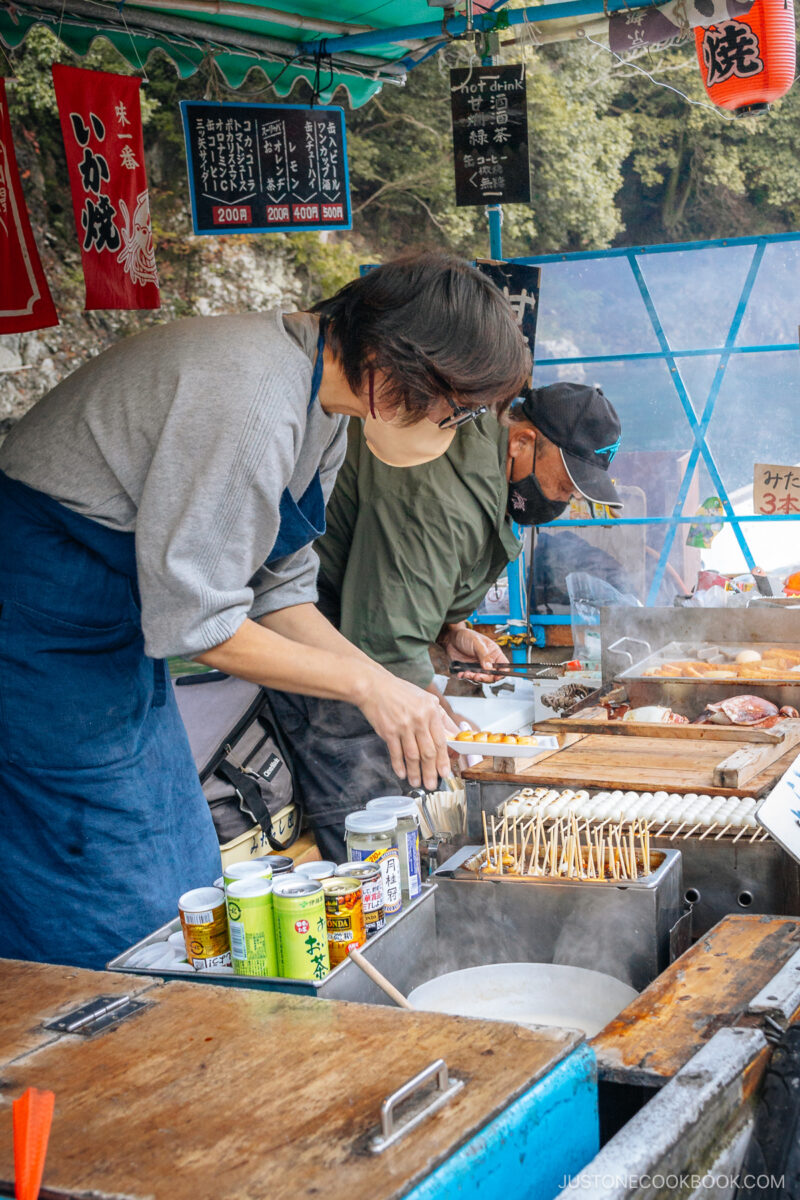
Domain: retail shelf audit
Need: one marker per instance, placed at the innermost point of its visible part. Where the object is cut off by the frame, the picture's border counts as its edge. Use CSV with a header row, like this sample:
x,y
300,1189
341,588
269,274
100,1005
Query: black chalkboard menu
x,y
490,135
519,282
266,168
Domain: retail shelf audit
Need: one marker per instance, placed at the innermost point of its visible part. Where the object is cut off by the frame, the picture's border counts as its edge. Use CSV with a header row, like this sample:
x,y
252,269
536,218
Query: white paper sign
x,y
780,812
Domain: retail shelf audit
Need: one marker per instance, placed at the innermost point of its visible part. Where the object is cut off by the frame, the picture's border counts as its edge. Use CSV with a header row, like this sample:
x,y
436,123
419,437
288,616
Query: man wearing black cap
x,y
409,554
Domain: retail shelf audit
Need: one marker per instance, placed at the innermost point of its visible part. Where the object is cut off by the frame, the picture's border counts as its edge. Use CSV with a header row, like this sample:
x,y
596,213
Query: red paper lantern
x,y
747,62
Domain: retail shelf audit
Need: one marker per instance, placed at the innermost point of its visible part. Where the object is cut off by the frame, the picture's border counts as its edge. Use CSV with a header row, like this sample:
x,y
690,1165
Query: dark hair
x,y
435,326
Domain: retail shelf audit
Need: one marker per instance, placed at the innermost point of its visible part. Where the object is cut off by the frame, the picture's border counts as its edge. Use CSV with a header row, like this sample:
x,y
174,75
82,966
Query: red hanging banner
x,y
25,300
102,126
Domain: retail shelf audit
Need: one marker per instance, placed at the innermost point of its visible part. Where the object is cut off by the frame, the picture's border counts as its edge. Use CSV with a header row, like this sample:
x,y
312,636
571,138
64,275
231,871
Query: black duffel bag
x,y
244,766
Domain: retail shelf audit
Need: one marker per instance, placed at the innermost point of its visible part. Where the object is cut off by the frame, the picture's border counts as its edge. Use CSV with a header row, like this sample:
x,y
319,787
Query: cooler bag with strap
x,y
243,765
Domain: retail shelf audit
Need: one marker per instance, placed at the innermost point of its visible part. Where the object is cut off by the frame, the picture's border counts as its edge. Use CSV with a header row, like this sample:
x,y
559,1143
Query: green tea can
x,y
248,868
251,924
301,928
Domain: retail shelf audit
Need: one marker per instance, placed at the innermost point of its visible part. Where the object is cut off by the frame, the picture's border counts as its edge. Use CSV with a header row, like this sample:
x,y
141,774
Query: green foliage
x,y
617,158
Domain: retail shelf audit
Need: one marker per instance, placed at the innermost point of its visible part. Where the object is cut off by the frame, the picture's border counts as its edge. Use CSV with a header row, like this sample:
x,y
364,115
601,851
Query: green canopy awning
x,y
242,35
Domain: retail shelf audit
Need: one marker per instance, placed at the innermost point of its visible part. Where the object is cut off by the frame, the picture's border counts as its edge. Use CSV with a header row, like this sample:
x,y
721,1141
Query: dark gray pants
x,y
339,762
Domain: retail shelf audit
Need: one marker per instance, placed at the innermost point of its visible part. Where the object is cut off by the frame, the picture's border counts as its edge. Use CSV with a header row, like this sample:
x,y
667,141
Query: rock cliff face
x,y
200,277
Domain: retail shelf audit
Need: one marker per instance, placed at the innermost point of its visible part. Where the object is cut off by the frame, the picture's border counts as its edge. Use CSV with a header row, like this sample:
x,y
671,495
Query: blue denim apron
x,y
302,521
103,823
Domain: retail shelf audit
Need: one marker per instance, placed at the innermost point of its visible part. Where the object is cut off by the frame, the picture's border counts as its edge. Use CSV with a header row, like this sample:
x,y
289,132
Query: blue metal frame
x,y
698,426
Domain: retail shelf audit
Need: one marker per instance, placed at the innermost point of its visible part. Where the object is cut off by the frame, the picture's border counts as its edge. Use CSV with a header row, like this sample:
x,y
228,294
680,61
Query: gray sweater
x,y
187,434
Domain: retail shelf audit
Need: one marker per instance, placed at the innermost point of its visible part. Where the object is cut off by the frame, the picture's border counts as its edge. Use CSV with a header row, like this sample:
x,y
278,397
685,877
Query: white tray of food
x,y
502,745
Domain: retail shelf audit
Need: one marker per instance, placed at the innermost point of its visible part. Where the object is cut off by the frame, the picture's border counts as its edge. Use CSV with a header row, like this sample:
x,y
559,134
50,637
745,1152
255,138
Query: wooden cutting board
x,y
640,764
706,989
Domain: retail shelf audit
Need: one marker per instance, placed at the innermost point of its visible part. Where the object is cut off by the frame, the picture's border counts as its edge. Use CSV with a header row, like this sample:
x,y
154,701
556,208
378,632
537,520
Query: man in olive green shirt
x,y
404,556
408,554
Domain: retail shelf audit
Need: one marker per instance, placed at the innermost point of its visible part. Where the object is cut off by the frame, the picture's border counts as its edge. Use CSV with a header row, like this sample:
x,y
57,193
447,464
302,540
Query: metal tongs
x,y
508,670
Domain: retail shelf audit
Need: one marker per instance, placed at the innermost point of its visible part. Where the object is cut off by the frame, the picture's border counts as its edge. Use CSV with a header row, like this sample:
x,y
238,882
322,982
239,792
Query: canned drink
x,y
371,882
316,870
301,930
247,868
281,863
251,924
205,928
344,914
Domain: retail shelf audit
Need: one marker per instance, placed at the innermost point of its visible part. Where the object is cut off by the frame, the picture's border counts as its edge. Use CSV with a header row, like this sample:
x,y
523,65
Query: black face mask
x,y
527,503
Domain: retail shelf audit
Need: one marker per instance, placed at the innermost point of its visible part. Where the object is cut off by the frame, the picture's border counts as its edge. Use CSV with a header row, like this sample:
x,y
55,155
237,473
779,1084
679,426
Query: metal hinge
x,y
98,1015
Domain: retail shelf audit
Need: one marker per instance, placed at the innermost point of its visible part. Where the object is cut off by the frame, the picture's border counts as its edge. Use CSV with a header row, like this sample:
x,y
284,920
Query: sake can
x,y
251,924
281,864
247,868
344,914
371,882
205,928
301,930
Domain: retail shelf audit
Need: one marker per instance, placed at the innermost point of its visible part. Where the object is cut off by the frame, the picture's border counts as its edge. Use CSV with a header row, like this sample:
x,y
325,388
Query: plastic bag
x,y
587,595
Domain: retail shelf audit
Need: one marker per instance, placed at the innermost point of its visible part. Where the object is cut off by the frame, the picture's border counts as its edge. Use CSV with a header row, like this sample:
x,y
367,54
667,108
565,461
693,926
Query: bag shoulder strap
x,y
248,787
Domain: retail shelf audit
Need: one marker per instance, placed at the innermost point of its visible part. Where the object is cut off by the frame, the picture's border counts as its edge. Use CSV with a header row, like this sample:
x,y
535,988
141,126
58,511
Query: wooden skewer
x,y
707,831
739,834
723,831
677,831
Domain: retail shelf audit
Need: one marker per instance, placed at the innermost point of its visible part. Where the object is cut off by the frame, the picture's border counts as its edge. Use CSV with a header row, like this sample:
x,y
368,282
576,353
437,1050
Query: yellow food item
x,y
508,739
467,735
495,737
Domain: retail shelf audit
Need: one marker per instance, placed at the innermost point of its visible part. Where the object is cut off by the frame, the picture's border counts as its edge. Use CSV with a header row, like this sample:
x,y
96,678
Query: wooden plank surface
x,y
706,989
635,764
692,733
747,762
58,989
245,1095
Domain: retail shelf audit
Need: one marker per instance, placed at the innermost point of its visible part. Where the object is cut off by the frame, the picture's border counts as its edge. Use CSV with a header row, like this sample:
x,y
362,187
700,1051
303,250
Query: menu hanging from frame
x,y
490,135
266,168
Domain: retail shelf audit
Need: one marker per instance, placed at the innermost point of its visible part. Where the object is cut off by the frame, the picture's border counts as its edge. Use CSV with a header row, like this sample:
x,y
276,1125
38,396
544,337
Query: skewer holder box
x,y
404,951
631,929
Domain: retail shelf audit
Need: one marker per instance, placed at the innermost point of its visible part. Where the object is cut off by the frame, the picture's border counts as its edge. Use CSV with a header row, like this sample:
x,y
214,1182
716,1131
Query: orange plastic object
x,y
792,585
32,1116
748,62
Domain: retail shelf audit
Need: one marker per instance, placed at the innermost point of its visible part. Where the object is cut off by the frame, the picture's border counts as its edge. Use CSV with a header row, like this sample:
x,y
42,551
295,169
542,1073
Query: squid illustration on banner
x,y
25,300
102,126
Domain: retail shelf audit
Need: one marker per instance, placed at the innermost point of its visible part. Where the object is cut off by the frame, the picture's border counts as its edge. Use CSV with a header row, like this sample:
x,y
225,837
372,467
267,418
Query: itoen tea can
x,y
371,881
372,837
301,930
205,928
344,913
248,868
251,924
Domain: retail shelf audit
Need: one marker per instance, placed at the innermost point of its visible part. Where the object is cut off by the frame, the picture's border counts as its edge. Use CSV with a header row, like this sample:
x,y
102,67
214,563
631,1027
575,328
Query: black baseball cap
x,y
587,431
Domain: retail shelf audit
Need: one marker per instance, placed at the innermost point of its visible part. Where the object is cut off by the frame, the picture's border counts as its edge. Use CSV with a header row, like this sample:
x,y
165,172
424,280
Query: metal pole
x,y
400,35
495,214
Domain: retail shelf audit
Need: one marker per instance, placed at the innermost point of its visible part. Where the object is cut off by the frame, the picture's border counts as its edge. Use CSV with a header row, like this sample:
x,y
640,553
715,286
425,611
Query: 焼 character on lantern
x,y
748,61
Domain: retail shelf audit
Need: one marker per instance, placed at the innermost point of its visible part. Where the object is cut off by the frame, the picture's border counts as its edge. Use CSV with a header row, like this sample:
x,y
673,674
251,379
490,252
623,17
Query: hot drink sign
x,y
266,168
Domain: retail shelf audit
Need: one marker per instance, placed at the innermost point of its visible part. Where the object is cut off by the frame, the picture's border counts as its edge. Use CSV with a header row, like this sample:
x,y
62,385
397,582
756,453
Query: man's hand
x,y
461,643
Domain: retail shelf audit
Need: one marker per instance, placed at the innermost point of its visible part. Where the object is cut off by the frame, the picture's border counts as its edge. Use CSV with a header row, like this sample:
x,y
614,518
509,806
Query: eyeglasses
x,y
461,415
